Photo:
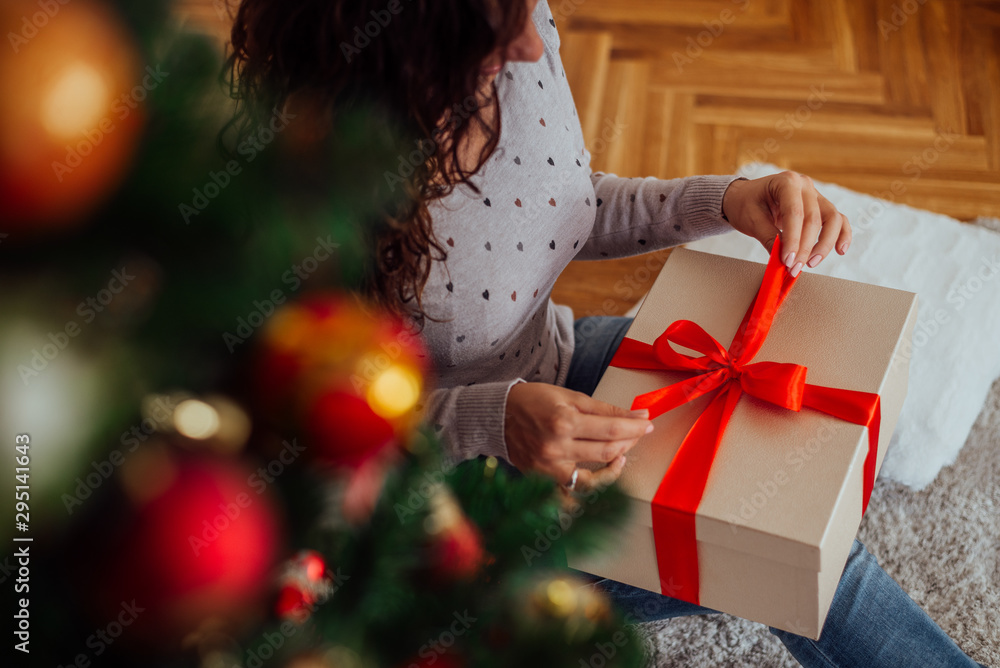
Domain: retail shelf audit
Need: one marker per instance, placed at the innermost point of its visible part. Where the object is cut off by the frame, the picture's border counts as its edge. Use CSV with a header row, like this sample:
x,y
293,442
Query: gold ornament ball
x,y
69,100
557,598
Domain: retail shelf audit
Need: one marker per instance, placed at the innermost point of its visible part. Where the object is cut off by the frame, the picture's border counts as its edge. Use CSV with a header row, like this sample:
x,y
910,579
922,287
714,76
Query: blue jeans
x,y
872,623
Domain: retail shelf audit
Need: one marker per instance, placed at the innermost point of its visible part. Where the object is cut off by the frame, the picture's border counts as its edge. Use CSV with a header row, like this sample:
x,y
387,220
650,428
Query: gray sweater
x,y
539,207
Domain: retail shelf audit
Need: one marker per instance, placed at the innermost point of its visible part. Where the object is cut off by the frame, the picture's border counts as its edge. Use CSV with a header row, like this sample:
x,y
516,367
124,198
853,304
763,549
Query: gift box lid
x,y
780,477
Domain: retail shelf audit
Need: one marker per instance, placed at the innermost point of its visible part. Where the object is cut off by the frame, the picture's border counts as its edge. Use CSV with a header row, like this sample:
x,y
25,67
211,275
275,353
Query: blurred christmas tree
x,y
222,462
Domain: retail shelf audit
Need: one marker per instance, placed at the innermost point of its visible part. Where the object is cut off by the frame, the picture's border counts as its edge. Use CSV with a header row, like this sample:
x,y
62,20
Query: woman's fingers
x,y
812,223
811,226
846,234
583,450
562,473
600,432
833,226
601,428
791,213
551,430
601,421
588,480
591,406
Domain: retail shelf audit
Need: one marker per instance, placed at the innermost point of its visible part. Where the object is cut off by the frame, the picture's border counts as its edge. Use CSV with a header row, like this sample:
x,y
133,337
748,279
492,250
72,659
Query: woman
x,y
498,200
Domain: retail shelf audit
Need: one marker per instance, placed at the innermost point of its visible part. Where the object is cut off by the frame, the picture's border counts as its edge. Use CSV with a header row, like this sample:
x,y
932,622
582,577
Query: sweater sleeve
x,y
470,419
641,215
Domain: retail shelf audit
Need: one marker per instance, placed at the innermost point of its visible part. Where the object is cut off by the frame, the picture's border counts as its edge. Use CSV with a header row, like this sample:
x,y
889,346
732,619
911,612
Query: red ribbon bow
x,y
728,374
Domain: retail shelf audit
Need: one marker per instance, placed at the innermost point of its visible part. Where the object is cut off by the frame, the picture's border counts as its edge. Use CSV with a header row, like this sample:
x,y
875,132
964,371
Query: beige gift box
x,y
783,500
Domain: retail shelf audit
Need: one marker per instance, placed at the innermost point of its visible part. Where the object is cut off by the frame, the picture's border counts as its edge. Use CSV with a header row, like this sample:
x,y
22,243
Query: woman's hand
x,y
551,429
810,225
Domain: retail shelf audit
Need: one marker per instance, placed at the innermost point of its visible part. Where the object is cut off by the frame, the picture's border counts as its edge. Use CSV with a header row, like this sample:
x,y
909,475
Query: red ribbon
x,y
727,374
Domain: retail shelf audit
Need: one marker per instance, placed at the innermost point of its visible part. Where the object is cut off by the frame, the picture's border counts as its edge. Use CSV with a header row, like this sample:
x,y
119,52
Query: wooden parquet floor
x,y
895,98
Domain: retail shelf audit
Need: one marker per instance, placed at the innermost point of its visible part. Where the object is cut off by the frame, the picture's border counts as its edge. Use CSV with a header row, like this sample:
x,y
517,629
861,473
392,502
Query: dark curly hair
x,y
418,63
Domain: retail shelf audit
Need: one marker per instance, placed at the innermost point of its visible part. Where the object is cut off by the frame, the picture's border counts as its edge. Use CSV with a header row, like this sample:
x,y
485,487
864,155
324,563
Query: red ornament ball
x,y
202,548
303,584
313,565
347,375
294,603
349,430
458,551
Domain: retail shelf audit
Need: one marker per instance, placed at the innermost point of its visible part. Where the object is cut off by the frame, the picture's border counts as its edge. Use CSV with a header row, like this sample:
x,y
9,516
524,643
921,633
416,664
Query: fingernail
x,y
796,269
649,429
814,260
790,260
642,413
844,246
621,462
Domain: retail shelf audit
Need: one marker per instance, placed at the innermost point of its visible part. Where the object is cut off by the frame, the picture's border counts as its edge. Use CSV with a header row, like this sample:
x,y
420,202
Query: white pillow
x,y
955,269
